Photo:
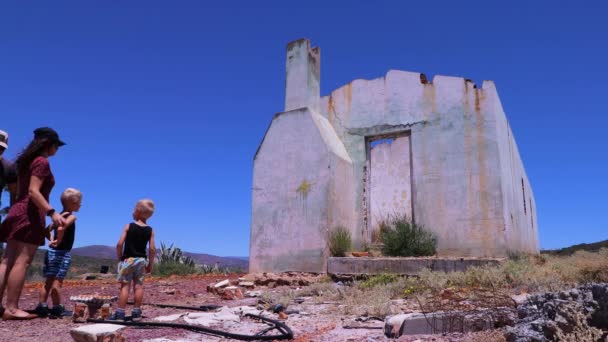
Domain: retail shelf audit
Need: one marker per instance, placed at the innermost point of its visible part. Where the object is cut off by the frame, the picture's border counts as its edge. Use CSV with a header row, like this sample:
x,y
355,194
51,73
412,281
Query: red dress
x,y
25,222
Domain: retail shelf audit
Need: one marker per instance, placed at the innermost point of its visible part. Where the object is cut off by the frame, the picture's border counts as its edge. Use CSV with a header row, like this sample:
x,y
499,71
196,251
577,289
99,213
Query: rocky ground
x,y
309,318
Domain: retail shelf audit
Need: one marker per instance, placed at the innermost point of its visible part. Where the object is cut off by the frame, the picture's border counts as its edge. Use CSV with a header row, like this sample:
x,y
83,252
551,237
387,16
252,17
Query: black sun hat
x,y
48,133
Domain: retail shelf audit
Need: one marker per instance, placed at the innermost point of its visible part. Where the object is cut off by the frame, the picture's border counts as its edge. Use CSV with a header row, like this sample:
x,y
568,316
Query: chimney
x,y
302,84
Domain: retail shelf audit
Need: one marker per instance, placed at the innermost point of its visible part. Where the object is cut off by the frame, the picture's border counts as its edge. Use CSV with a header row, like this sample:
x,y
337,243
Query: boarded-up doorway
x,y
389,181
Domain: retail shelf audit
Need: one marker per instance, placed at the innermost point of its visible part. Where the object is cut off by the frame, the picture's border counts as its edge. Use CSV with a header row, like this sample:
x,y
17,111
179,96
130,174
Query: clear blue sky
x,y
170,99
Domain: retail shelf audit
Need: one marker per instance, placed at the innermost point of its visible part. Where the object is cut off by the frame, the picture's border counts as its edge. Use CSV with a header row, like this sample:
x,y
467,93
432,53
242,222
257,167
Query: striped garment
x,y
56,263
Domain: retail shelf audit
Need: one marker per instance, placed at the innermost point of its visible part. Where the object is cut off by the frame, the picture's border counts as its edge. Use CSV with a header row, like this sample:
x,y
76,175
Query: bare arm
x,y
121,242
151,253
61,231
40,202
12,190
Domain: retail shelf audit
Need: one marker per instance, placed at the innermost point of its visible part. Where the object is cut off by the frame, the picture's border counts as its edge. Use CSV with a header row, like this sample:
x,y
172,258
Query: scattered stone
x,y
283,316
357,324
222,283
97,332
247,284
520,298
253,294
169,291
244,310
579,315
231,292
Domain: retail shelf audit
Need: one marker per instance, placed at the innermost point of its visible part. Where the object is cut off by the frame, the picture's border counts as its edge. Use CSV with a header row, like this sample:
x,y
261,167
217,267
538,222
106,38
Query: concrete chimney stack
x,y
302,84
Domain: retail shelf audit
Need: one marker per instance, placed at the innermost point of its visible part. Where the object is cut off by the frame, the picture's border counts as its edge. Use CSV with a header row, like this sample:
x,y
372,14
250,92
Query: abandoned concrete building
x,y
440,151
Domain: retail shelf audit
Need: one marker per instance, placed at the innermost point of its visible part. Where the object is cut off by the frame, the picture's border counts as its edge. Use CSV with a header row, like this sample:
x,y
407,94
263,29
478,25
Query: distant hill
x,y
96,251
589,247
107,252
80,265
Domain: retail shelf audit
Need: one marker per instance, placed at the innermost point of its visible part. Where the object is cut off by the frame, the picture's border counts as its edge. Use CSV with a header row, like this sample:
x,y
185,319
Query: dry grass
x,y
372,296
526,274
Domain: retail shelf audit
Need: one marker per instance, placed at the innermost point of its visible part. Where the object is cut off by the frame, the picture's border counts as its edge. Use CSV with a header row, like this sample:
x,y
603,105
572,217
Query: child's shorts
x,y
56,263
132,269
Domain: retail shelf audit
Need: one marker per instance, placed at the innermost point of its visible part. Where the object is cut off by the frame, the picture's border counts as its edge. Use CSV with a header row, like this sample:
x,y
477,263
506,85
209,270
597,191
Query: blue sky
x,y
170,99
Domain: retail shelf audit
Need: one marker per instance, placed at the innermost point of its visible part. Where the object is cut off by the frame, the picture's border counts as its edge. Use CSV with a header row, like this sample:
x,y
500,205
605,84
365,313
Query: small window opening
x,y
531,214
523,192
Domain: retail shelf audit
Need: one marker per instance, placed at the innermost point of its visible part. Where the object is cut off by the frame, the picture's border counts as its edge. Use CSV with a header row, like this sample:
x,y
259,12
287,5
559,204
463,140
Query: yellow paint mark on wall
x,y
304,188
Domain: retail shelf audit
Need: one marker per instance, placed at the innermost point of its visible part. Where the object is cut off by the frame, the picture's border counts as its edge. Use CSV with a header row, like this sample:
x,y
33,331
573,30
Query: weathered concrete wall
x,y
300,172
406,266
457,190
312,170
519,216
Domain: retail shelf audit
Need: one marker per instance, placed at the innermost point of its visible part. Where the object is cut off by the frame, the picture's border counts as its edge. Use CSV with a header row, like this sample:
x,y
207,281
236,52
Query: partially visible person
x,y
57,259
134,262
8,175
24,228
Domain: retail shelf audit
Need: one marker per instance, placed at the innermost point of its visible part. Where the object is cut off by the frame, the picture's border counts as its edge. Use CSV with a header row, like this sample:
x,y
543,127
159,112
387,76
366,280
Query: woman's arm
x,y
40,202
12,190
61,231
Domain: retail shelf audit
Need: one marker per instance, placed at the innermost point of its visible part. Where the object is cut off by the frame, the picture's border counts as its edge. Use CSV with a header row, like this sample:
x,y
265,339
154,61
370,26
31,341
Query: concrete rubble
x,y
97,333
575,315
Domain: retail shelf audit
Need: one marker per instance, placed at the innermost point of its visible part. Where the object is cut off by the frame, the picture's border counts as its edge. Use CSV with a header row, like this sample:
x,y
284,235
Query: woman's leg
x,y
16,278
8,260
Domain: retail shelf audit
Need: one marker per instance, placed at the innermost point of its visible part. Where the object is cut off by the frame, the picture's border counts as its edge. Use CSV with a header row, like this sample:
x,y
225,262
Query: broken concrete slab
x,y
169,318
404,266
222,283
247,284
209,318
98,332
434,323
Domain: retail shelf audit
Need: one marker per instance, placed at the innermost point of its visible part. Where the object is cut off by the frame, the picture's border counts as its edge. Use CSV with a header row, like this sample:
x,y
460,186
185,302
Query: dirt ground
x,y
315,321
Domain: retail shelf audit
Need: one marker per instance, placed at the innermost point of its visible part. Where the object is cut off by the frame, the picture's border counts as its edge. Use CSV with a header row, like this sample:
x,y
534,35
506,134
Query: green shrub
x,y
166,269
173,254
339,241
400,237
171,260
381,279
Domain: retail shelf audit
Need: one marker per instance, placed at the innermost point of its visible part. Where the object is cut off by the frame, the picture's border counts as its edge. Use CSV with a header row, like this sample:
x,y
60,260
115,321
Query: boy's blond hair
x,y
70,195
145,207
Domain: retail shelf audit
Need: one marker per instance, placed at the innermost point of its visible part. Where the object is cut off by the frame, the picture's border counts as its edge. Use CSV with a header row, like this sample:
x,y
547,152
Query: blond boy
x,y
57,259
134,261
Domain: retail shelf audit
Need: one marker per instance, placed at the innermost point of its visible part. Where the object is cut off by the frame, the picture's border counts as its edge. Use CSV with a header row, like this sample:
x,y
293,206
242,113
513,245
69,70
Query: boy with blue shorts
x,y
58,259
134,262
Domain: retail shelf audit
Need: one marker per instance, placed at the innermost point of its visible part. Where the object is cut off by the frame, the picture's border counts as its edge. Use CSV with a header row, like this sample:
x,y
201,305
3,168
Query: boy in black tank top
x,y
134,263
57,259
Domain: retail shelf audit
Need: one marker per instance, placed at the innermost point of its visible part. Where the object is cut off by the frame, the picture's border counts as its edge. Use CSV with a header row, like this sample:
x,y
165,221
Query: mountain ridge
x,y
107,252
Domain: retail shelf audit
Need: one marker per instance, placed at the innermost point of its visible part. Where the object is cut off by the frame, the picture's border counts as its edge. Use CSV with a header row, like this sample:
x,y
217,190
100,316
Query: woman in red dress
x,y
24,227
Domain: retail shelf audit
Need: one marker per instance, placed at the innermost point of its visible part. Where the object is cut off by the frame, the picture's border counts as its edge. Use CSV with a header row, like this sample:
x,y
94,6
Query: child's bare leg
x,y
124,295
44,291
139,294
56,291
